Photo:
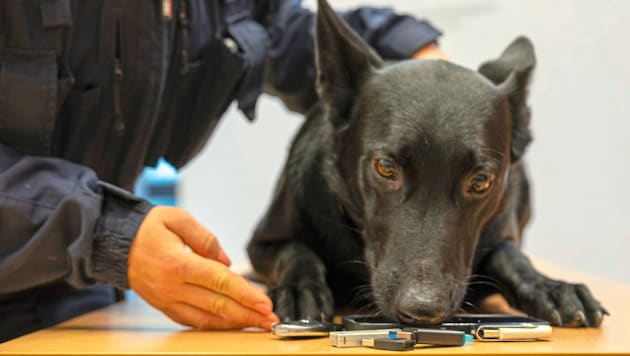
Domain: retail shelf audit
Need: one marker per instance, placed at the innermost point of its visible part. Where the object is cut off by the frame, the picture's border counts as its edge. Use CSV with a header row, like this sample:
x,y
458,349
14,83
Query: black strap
x,y
254,43
237,10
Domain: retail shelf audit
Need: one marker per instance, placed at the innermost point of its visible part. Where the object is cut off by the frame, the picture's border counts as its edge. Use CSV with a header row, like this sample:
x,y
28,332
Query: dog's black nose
x,y
416,308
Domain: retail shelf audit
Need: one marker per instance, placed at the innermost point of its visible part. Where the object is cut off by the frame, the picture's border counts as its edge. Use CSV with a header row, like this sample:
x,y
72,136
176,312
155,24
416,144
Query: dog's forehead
x,y
430,100
434,89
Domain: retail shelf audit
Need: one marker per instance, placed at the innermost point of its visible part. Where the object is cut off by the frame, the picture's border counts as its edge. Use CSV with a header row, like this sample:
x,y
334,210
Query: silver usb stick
x,y
520,332
354,338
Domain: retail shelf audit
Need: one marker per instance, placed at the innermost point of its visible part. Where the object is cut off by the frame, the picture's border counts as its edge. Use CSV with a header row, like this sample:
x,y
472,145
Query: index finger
x,y
195,235
218,278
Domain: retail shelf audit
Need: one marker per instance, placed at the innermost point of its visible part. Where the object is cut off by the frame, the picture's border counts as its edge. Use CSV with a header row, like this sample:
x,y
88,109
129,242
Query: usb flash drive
x,y
433,336
354,338
389,344
513,332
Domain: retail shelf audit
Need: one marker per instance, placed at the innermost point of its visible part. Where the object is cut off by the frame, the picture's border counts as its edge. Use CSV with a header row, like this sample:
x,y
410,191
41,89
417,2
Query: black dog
x,y
405,183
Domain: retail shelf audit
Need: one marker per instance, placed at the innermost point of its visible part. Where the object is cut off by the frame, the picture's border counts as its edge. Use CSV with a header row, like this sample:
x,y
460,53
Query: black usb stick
x,y
390,344
433,336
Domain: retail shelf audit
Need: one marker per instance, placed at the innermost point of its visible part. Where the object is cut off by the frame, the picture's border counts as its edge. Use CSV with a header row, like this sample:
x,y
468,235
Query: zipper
x,y
119,122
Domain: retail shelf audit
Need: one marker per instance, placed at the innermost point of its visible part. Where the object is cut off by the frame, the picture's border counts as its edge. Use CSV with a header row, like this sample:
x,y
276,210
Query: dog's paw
x,y
561,303
303,300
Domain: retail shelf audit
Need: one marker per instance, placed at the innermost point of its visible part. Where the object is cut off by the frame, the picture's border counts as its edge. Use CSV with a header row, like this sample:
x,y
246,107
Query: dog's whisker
x,y
483,276
369,309
363,298
362,291
485,283
485,280
351,228
469,304
359,262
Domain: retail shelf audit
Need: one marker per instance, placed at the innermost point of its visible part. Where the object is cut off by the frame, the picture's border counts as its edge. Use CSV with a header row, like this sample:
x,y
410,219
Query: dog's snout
x,y
420,308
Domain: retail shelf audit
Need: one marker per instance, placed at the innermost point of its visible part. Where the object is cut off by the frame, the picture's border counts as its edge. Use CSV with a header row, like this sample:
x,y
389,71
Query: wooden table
x,y
134,328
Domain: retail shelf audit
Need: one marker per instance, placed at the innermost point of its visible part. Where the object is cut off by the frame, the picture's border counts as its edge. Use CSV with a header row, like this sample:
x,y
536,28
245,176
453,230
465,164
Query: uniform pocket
x,y
28,99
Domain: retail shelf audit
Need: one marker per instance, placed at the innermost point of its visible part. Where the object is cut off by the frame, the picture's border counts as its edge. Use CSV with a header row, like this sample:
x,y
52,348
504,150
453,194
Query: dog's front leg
x,y
559,302
297,280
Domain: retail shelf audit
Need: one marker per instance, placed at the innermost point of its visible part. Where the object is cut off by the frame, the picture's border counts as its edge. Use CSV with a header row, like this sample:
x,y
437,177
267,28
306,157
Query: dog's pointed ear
x,y
512,73
344,62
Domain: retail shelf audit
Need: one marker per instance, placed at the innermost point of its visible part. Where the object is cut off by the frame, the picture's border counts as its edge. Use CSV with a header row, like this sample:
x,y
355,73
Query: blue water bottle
x,y
158,184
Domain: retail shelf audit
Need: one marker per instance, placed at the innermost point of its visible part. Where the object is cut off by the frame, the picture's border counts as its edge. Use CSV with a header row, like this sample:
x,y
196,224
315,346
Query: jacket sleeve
x,y
58,221
290,70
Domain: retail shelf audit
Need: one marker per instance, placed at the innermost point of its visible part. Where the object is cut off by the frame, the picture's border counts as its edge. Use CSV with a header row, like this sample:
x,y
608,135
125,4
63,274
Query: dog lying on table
x,y
404,187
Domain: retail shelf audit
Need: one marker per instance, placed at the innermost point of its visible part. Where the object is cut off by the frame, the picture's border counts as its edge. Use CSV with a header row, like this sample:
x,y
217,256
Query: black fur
x,y
412,245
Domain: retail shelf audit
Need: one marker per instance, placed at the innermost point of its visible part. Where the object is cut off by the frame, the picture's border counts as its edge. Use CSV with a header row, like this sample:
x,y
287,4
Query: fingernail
x,y
263,308
266,324
223,258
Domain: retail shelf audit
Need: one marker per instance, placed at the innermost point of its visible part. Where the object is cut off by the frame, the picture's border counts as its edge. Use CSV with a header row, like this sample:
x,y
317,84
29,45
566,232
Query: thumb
x,y
196,236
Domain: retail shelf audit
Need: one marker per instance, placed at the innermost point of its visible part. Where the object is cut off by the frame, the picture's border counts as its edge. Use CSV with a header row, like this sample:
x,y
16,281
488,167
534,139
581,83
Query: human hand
x,y
430,51
178,266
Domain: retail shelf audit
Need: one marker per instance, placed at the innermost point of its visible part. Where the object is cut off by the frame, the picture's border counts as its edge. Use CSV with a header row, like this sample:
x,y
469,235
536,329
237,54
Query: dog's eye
x,y
480,183
386,167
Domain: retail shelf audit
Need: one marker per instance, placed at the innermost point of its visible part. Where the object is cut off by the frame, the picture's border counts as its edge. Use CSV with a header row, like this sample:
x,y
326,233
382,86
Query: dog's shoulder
x,y
308,154
310,181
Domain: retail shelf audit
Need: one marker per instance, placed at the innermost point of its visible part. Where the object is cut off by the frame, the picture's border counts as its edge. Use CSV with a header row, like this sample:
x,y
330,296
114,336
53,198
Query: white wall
x,y
581,122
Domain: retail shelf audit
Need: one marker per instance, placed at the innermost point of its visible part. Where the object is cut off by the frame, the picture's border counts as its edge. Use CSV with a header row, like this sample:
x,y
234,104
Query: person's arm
x,y
290,72
59,222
